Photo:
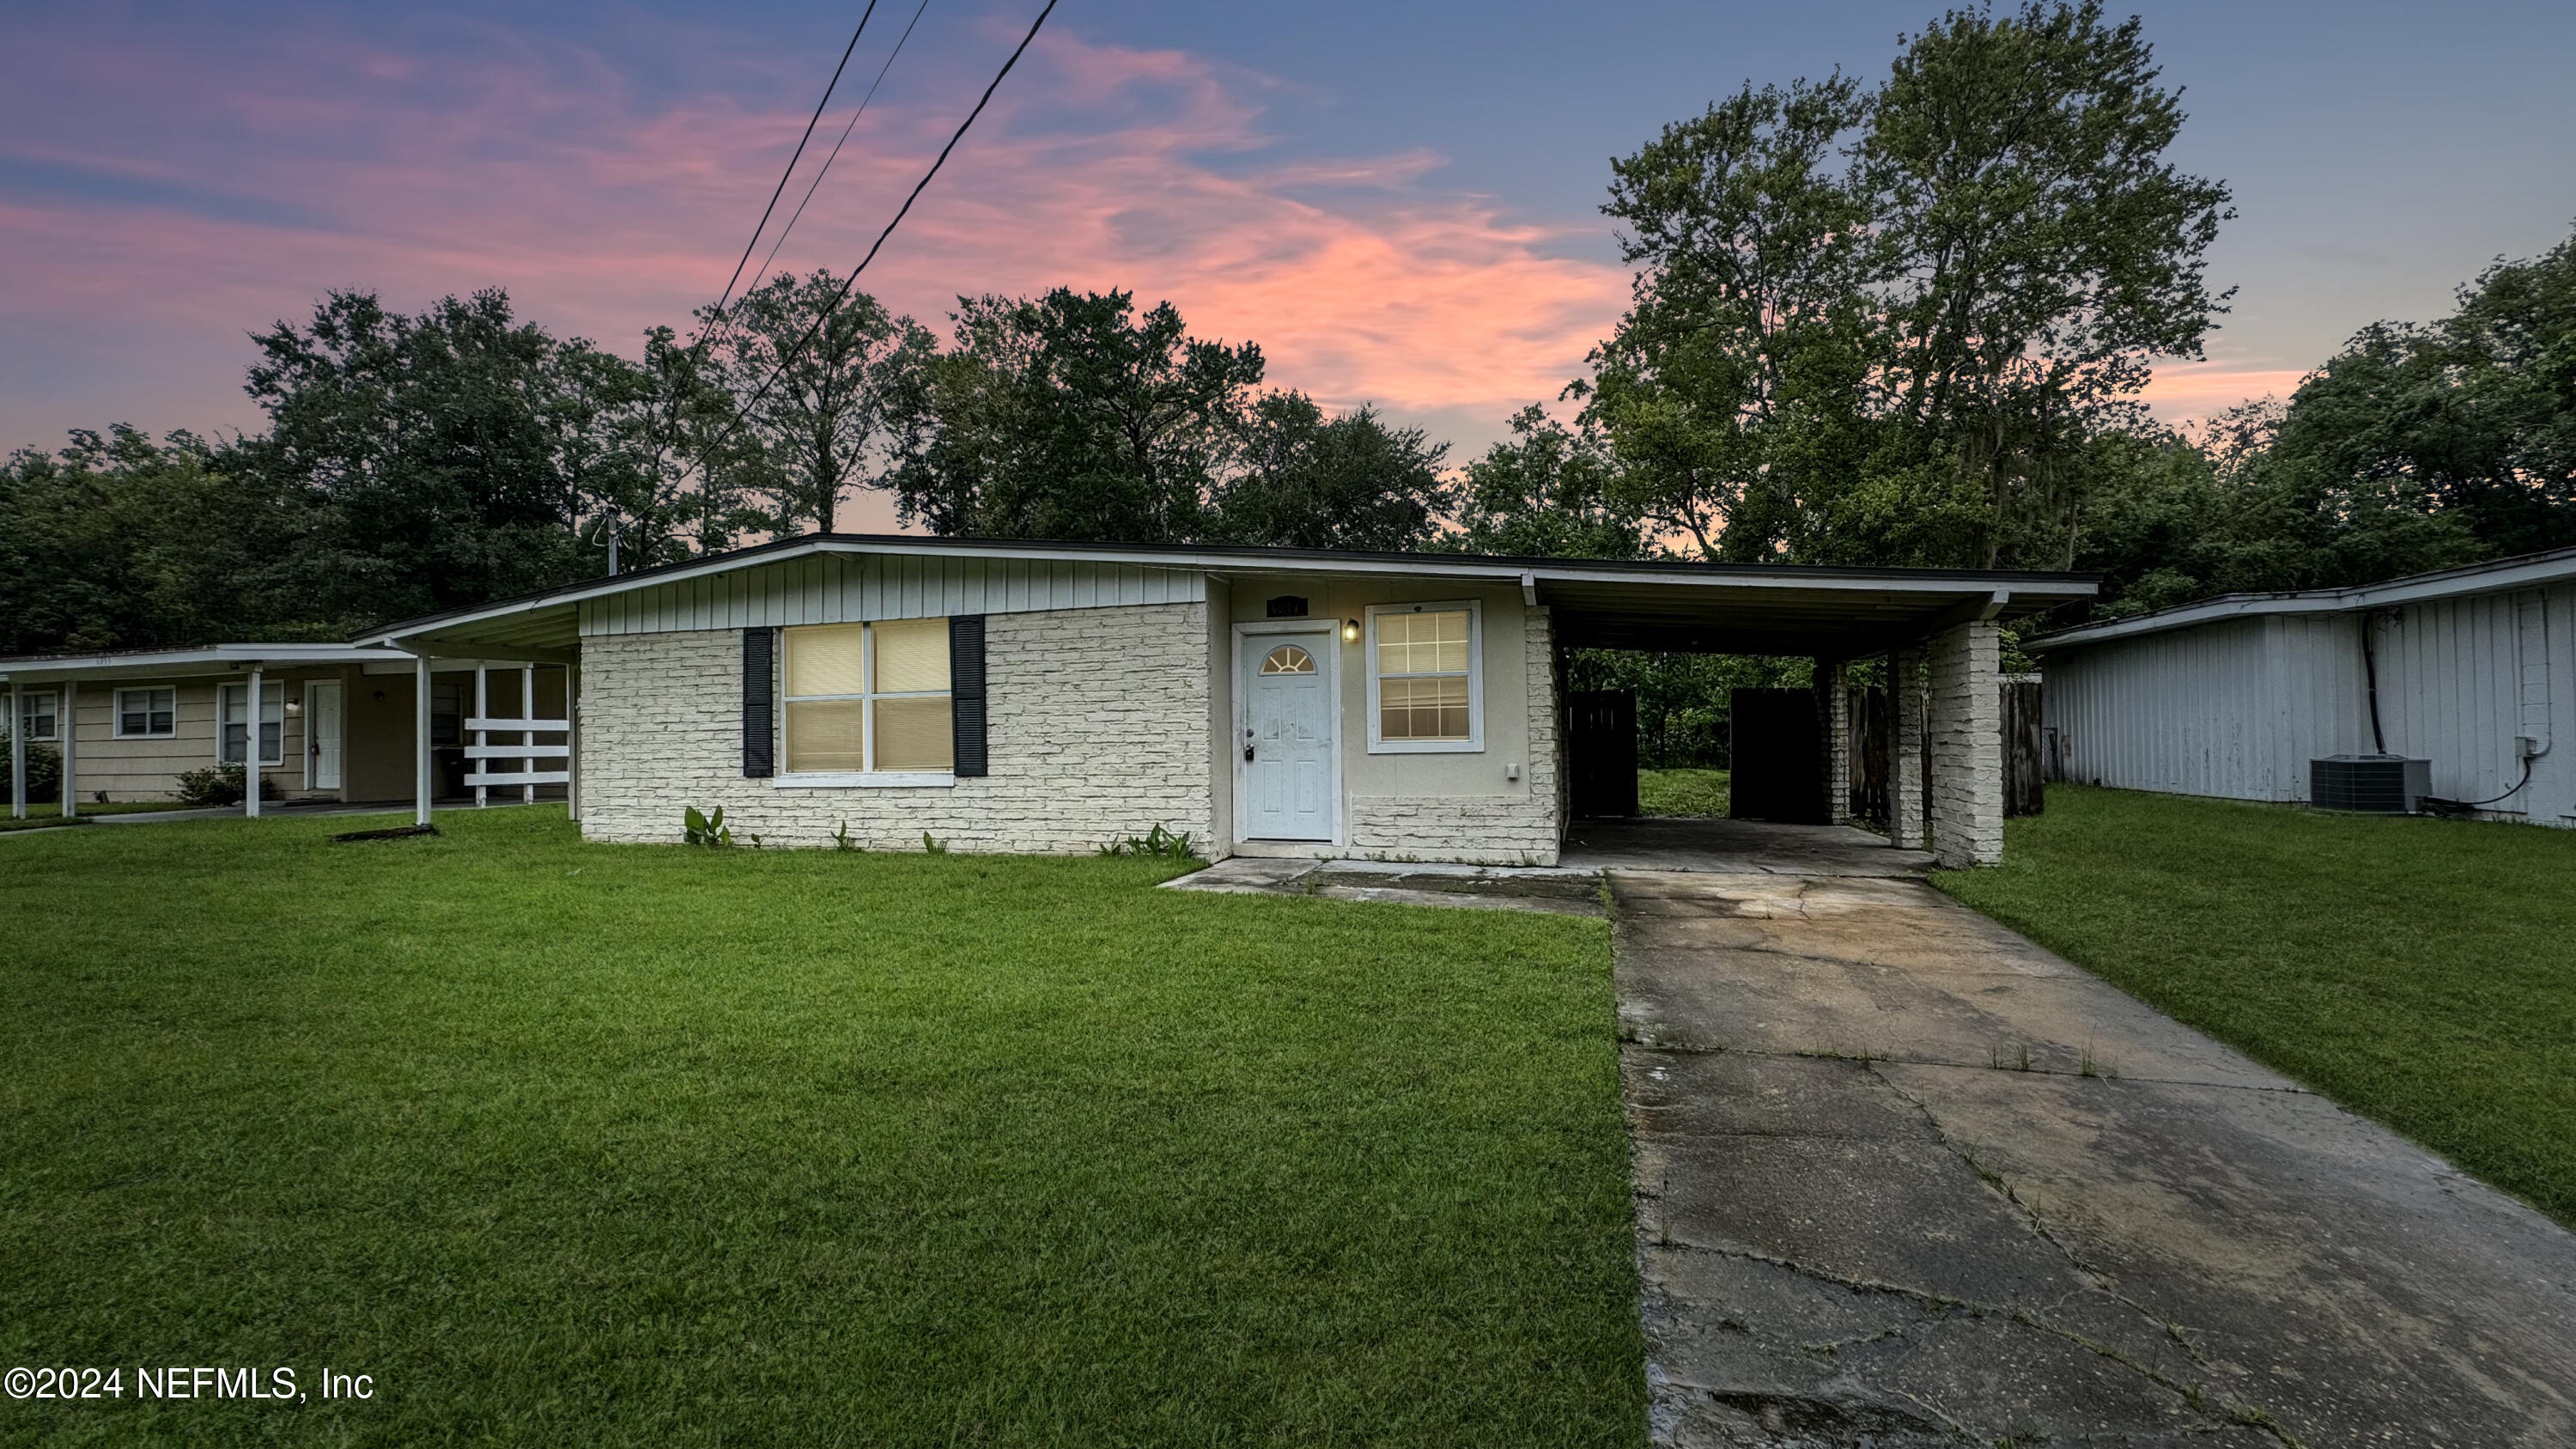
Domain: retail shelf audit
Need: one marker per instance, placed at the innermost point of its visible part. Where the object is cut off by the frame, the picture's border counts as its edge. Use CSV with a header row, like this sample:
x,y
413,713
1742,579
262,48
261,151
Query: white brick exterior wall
x,y
1516,828
1098,730
1967,730
1831,676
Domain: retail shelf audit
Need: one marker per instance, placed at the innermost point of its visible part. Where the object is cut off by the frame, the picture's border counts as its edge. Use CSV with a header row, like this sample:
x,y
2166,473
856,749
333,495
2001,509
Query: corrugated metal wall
x,y
845,588
2237,708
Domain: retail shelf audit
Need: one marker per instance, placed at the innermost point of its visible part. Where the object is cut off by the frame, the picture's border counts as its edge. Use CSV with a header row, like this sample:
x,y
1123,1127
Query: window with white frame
x,y
233,709
40,715
1425,686
869,699
146,714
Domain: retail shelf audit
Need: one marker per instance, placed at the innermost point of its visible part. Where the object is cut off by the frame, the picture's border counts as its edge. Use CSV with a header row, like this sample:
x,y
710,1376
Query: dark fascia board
x,y
2524,571
183,663
2057,587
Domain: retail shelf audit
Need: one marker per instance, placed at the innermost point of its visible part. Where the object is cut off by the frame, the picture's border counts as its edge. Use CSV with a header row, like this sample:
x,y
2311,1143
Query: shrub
x,y
44,773
220,785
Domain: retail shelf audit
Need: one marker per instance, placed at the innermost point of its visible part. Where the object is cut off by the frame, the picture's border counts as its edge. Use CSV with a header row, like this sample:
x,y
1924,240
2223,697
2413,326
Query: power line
x,y
750,246
826,168
790,355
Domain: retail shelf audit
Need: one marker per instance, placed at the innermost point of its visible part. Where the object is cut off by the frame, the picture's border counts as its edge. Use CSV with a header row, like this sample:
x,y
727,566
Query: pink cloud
x,y
540,168
2195,391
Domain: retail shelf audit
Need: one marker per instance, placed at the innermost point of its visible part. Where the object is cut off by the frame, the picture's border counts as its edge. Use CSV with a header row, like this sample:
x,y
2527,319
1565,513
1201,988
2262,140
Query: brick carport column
x,y
1905,823
1833,706
1967,734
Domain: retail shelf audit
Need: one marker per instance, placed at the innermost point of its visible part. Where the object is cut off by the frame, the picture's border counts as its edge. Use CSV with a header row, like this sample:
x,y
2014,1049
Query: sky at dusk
x,y
1397,200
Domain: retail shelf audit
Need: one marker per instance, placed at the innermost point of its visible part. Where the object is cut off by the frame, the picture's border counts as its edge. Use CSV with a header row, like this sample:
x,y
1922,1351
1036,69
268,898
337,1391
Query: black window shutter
x,y
966,686
759,703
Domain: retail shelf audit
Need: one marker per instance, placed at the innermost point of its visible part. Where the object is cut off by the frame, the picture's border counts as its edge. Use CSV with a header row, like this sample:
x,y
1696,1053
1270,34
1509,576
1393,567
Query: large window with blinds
x,y
868,699
1426,681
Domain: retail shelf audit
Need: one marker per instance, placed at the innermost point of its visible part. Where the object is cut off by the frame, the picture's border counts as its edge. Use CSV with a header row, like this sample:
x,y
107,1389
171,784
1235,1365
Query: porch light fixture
x,y
294,707
1350,631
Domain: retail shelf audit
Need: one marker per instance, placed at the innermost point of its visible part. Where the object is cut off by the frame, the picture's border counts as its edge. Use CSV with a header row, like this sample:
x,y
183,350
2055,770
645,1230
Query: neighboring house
x,y
1018,696
334,721
2469,668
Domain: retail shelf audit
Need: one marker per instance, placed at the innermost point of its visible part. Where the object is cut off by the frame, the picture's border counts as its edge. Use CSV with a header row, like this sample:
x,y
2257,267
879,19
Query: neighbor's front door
x,y
1288,737
322,733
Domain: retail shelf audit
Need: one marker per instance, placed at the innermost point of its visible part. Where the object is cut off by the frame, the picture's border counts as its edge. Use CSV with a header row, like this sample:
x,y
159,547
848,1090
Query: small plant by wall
x,y
709,831
1155,842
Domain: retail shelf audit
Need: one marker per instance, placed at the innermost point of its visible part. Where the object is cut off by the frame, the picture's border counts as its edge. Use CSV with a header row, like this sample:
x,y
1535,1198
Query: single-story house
x,y
2467,668
1047,697
335,721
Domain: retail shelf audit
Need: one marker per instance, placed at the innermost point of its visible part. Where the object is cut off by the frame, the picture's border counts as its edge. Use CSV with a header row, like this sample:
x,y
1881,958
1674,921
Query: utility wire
x,y
790,355
753,245
826,168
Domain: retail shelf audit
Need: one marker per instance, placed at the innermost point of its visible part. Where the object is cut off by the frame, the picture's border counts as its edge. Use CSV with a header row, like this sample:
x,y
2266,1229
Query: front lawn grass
x,y
1681,792
2419,971
578,1144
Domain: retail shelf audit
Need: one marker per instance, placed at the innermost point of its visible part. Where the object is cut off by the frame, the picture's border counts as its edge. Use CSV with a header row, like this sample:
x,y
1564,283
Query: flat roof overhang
x,y
213,659
1606,604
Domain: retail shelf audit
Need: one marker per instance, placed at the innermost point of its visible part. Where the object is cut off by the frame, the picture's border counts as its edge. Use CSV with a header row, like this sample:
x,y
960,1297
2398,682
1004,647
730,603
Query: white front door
x,y
322,734
1288,737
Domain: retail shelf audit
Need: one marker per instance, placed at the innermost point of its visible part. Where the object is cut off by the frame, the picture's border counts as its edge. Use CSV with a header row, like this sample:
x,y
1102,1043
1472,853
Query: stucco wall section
x,y
1099,722
1519,827
1967,785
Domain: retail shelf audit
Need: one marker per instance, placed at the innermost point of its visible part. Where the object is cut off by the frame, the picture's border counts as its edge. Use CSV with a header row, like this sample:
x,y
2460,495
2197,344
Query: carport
x,y
1938,631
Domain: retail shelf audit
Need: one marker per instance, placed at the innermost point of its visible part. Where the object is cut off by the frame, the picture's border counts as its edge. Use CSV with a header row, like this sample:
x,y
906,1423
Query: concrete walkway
x,y
1906,1179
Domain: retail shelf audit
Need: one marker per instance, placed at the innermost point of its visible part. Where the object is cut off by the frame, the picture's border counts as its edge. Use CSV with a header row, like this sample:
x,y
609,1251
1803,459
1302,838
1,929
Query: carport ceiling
x,y
1802,614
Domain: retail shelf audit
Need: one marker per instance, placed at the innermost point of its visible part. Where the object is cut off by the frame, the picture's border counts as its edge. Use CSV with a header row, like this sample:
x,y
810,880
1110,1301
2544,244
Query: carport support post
x,y
1833,705
420,740
17,751
1967,745
1905,751
572,741
70,729
255,716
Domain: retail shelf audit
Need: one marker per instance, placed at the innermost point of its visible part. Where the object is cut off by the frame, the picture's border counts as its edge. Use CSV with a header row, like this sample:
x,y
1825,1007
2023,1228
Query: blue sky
x,y
1397,200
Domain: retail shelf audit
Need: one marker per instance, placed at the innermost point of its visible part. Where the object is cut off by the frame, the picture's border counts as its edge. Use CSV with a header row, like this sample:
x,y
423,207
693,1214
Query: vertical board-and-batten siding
x,y
846,588
2237,708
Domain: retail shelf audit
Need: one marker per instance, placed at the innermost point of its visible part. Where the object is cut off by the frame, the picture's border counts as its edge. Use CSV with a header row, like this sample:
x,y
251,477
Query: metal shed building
x,y
2470,668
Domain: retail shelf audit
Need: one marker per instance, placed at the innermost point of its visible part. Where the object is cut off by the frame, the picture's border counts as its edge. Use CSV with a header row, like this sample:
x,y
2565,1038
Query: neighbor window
x,y
146,713
38,717
1423,678
233,709
869,698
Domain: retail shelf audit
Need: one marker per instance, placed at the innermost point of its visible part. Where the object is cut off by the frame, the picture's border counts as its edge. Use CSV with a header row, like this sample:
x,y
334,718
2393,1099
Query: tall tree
x,y
449,452
1303,480
813,379
2042,251
1546,494
1742,365
1070,417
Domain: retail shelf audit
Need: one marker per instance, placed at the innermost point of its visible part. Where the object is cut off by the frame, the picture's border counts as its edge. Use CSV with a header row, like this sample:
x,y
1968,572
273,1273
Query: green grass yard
x,y
1681,792
2419,971
566,1143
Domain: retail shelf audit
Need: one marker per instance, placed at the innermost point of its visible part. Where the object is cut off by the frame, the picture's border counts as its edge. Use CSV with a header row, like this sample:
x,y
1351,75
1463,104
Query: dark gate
x,y
1779,757
2024,772
1601,751
1873,731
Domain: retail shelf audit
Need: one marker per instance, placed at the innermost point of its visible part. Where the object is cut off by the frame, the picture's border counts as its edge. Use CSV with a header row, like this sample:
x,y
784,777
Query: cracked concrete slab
x,y
1550,890
1904,1178
1706,843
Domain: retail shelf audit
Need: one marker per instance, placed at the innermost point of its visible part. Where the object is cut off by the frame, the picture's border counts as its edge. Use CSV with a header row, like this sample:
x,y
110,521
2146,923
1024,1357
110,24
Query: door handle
x,y
1247,752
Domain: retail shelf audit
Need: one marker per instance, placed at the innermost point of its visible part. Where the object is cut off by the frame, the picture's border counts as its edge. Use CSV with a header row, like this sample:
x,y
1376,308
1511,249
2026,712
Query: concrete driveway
x,y
1904,1178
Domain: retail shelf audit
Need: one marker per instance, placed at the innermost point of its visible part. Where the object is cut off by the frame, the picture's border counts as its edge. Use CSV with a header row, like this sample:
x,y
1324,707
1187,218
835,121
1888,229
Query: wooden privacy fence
x,y
1873,738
